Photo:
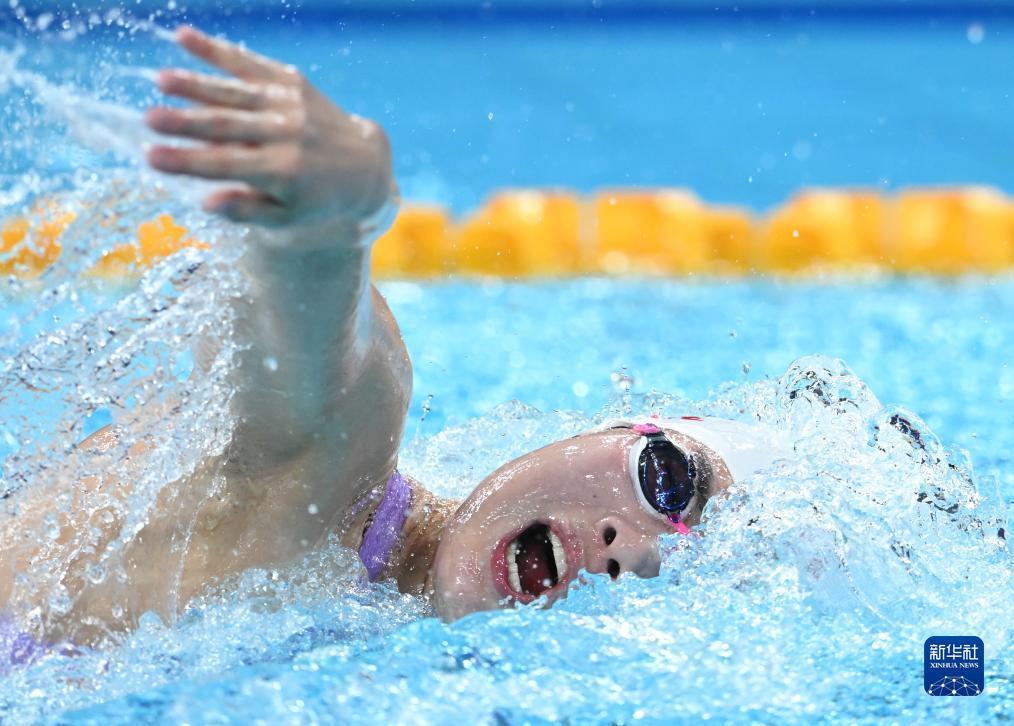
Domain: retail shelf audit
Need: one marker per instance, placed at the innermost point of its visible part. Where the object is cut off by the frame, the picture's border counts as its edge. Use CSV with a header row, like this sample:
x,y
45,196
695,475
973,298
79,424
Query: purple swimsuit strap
x,y
381,537
17,648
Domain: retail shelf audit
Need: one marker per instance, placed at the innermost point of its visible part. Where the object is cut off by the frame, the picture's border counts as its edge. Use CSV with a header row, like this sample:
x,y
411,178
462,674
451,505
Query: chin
x,y
452,604
461,582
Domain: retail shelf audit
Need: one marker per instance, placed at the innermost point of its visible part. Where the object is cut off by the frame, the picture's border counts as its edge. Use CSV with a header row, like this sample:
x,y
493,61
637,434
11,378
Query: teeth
x,y
561,560
512,567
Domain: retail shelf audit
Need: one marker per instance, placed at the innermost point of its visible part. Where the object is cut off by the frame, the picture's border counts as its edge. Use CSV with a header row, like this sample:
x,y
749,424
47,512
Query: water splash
x,y
81,353
808,594
809,591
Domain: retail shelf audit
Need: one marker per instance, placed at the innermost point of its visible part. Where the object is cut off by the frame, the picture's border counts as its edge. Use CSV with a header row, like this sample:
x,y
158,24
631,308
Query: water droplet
x,y
271,363
720,648
52,526
312,509
96,574
801,150
60,603
622,381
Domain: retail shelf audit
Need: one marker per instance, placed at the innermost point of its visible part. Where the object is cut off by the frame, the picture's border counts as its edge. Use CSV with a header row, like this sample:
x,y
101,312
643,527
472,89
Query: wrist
x,y
341,232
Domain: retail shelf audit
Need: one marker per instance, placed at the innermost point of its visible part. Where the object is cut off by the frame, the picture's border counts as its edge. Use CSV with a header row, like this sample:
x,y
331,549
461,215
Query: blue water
x,y
743,110
814,585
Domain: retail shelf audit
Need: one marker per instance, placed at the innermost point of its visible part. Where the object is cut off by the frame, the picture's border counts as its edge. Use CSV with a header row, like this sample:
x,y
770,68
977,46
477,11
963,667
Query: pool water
x,y
813,585
743,108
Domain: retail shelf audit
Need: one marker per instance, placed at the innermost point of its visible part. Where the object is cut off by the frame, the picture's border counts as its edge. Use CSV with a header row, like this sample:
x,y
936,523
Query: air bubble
x,y
51,526
96,574
621,381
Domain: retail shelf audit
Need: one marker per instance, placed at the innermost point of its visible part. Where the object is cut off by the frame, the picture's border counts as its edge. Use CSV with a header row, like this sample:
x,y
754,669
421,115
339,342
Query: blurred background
x,y
743,108
745,103
534,140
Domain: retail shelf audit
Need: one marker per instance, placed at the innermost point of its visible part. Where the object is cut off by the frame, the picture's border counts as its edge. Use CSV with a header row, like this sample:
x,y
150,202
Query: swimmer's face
x,y
533,524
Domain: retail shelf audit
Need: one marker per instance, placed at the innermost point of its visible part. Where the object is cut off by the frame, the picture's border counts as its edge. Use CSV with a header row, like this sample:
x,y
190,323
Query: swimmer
x,y
314,451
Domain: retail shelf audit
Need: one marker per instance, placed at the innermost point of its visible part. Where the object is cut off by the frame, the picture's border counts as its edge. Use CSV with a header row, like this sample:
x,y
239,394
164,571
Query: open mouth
x,y
536,561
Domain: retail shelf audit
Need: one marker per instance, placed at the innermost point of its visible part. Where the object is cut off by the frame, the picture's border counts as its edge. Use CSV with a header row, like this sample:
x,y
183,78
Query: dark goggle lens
x,y
667,476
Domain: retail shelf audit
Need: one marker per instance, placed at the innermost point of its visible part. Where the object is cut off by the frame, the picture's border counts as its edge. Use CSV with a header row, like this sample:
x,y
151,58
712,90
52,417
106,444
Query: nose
x,y
621,547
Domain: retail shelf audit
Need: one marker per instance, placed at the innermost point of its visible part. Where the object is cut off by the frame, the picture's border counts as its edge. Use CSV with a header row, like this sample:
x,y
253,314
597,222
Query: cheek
x,y
470,567
591,490
616,495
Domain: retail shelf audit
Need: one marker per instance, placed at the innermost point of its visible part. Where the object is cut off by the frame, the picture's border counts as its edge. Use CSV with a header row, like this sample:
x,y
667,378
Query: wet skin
x,y
317,433
584,491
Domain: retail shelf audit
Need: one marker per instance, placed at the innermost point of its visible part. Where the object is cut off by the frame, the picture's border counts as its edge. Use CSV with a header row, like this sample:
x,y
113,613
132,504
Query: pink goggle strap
x,y
679,526
646,428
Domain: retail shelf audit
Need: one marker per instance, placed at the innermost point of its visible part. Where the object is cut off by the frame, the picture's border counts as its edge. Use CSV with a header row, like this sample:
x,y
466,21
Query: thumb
x,y
247,206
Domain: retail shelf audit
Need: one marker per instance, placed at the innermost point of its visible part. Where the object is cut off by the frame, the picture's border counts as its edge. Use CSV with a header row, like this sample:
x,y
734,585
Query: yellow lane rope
x,y
671,232
665,232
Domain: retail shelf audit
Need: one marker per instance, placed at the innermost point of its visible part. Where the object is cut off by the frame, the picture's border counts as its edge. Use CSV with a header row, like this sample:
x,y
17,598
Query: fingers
x,y
256,165
252,123
246,206
232,58
217,91
223,124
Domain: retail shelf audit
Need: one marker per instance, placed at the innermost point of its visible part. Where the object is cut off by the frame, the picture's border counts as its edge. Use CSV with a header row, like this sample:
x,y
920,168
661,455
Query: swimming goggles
x,y
667,477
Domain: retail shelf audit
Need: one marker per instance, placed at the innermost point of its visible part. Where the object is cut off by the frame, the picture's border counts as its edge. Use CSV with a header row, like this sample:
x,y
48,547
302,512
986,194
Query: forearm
x,y
304,333
315,183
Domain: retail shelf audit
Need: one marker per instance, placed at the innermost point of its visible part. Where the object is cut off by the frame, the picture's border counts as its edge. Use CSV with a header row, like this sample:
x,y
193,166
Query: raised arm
x,y
322,386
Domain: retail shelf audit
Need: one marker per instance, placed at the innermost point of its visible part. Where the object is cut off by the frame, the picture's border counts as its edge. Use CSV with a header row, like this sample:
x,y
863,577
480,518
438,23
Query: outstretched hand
x,y
296,158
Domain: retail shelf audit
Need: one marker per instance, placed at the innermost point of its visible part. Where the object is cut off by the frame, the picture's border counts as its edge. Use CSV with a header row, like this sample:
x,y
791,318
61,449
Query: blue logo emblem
x,y
953,665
